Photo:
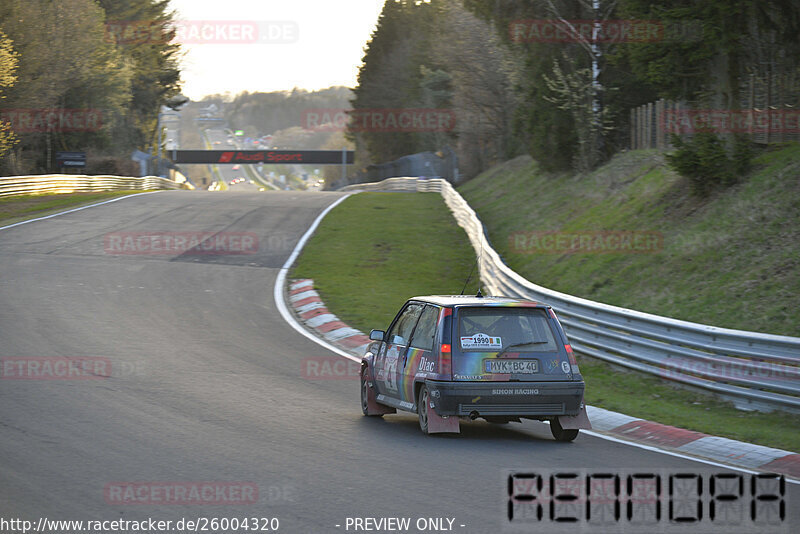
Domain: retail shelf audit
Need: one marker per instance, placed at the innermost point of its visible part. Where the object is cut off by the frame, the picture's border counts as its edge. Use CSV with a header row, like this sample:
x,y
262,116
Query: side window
x,y
405,325
426,329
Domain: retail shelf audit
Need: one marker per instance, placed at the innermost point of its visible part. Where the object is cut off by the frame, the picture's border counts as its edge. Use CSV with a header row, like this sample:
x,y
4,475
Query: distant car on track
x,y
448,358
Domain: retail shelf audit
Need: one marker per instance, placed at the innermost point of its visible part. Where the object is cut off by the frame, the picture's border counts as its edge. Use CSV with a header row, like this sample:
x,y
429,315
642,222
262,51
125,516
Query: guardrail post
x,y
344,164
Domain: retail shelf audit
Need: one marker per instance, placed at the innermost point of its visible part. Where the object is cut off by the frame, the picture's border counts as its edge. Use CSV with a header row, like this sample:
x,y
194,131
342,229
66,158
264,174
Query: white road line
x,y
679,455
281,279
75,209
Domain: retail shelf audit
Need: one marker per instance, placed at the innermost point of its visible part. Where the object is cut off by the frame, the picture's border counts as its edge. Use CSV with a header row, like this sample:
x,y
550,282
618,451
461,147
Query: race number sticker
x,y
481,341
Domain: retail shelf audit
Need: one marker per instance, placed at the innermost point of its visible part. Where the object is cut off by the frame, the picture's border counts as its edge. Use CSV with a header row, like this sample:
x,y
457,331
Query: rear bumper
x,y
522,399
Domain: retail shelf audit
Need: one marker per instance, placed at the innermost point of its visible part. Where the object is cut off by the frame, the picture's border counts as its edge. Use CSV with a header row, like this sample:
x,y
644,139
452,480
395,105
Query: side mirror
x,y
377,335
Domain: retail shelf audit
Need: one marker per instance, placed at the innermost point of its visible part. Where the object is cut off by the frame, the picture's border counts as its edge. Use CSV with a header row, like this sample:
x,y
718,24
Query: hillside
x,y
363,274
732,260
268,113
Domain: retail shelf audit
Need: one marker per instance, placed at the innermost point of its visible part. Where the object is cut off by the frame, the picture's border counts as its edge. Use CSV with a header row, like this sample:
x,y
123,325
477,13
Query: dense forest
x,y
554,79
267,113
292,118
517,86
82,75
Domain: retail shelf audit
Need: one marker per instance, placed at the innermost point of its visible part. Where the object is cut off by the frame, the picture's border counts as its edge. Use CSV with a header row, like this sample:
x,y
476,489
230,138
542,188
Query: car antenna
x,y
477,262
468,279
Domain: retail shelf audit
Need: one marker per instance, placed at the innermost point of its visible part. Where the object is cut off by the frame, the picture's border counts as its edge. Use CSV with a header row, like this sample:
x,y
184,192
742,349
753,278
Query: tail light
x,y
445,359
572,361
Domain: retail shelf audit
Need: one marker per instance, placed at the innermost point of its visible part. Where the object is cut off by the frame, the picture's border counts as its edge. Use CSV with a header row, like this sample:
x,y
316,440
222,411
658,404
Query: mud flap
x,y
577,421
373,408
438,424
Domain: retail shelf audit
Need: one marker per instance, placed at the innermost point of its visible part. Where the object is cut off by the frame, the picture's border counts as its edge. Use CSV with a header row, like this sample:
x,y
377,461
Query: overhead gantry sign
x,y
267,157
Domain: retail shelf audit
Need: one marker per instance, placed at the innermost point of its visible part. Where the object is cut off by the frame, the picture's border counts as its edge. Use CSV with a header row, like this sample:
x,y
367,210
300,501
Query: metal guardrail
x,y
396,185
754,370
78,183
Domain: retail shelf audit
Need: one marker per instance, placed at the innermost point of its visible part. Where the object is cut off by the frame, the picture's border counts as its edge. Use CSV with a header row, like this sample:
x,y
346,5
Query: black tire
x,y
422,409
365,394
562,434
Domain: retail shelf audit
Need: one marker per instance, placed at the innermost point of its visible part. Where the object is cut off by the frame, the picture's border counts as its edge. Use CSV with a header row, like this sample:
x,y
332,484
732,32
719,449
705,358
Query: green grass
x,y
376,250
731,261
651,398
22,207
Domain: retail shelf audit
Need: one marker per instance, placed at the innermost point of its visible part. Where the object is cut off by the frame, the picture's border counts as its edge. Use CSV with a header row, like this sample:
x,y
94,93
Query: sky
x,y
272,45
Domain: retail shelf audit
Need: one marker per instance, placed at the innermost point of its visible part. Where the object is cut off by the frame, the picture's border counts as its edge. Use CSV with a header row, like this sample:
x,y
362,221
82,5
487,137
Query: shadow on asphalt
x,y
407,426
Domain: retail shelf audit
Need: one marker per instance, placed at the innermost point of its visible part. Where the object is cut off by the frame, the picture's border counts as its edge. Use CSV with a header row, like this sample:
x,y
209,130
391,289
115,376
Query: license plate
x,y
512,367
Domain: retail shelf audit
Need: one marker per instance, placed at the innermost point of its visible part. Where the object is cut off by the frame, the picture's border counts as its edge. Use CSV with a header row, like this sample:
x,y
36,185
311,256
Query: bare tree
x,y
482,73
576,92
592,128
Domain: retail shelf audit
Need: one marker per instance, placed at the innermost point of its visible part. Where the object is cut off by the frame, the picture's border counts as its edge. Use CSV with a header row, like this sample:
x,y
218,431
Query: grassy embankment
x,y
22,207
375,250
730,261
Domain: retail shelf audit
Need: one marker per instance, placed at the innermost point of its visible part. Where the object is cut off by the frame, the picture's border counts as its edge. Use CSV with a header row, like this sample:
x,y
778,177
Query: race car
x,y
451,357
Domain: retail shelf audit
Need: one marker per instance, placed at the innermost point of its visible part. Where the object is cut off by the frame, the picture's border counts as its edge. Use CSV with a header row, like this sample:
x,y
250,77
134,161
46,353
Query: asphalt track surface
x,y
207,386
226,171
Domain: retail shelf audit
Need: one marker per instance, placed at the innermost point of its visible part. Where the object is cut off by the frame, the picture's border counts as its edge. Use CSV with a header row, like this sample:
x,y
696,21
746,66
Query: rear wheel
x,y
562,434
422,409
365,394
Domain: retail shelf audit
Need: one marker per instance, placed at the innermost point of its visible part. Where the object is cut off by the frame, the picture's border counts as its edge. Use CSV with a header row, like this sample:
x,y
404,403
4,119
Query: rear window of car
x,y
494,329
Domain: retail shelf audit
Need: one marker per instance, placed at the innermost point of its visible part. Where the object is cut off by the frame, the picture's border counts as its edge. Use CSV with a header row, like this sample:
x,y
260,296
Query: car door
x,y
419,356
387,376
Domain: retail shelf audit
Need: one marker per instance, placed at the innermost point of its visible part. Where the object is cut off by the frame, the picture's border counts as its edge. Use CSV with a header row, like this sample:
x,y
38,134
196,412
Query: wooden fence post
x,y
659,123
643,126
